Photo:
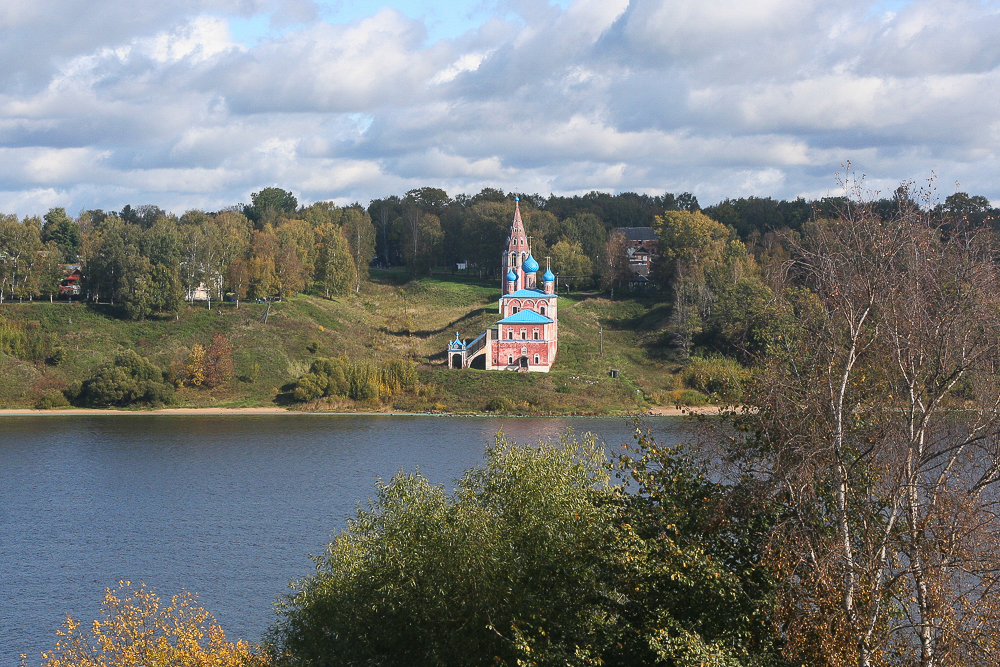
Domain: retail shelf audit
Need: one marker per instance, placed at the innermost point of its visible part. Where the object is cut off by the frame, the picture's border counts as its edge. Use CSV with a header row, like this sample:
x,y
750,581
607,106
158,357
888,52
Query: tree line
x,y
146,260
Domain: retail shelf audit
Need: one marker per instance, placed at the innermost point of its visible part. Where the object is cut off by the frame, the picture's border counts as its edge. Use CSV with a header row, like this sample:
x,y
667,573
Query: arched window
x,y
510,359
536,334
515,310
543,310
536,359
510,335
524,335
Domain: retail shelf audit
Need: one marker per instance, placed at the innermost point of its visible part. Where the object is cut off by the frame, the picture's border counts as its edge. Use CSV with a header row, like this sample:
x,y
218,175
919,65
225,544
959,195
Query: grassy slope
x,y
377,323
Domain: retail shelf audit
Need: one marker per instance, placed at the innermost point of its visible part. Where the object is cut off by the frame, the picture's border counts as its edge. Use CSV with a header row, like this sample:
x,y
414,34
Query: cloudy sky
x,y
198,103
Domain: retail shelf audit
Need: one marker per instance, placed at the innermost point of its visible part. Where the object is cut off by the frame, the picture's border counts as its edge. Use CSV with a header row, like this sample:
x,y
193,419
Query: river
x,y
226,506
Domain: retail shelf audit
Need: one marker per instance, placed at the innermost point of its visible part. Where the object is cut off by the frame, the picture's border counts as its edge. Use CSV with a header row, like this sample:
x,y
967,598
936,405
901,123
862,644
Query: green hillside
x,y
392,317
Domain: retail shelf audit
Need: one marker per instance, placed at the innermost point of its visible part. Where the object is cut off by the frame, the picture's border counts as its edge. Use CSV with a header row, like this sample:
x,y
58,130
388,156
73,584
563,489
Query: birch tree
x,y
876,420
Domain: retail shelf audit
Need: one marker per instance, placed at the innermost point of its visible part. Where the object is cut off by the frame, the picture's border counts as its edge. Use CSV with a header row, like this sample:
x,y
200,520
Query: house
x,y
71,284
526,338
642,245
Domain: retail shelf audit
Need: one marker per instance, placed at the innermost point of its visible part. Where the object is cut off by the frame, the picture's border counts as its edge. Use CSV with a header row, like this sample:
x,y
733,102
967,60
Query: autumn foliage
x,y
208,367
136,628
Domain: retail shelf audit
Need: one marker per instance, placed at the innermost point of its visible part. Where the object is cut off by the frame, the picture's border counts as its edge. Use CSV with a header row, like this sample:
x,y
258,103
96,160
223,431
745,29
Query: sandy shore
x,y
680,412
656,411
162,411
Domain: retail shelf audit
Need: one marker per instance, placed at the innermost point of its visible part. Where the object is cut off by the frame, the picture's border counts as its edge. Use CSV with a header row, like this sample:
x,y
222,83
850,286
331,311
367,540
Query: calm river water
x,y
226,506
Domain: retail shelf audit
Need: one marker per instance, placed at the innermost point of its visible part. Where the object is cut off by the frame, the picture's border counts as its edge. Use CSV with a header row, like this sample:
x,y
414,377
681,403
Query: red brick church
x,y
526,337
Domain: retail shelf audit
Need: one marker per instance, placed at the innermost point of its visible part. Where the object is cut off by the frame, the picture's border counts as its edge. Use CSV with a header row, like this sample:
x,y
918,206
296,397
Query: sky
x,y
195,104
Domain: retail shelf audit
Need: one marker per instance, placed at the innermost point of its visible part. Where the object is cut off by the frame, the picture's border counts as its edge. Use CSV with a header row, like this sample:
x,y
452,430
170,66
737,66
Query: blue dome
x,y
511,276
548,276
530,265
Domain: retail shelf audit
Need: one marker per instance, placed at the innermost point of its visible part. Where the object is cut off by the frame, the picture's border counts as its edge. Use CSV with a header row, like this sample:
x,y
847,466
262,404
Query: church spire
x,y
517,250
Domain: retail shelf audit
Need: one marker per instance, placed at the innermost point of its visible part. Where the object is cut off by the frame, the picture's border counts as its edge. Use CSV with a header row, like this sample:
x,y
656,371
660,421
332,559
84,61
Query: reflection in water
x,y
227,506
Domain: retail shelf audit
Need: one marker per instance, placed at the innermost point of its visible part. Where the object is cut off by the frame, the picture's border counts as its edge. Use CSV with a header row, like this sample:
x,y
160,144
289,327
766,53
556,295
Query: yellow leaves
x,y
136,629
196,365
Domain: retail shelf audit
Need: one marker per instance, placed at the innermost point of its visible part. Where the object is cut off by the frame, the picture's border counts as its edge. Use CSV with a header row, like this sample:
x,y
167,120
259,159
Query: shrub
x,y
361,381
501,404
56,356
52,399
24,340
126,380
717,376
685,397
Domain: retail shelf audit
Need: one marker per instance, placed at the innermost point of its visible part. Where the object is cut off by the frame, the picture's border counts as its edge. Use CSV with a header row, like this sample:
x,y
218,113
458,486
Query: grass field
x,y
391,317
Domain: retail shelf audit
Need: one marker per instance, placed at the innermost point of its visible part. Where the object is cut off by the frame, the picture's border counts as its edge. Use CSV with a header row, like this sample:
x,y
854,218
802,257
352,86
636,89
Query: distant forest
x,y
147,260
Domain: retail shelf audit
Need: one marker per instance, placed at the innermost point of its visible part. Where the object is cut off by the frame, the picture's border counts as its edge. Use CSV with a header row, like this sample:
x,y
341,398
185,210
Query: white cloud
x,y
156,103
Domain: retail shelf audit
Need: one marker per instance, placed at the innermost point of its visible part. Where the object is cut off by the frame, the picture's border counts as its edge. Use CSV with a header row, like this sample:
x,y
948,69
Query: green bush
x,y
56,357
361,381
126,380
716,376
689,397
23,339
51,400
501,404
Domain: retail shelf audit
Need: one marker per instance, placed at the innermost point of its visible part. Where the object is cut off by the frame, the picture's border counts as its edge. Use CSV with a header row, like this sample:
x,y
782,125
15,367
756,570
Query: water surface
x,y
226,506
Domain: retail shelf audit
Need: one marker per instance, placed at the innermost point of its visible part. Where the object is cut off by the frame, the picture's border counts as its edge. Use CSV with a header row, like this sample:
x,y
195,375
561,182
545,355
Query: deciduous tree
x,y
876,421
137,629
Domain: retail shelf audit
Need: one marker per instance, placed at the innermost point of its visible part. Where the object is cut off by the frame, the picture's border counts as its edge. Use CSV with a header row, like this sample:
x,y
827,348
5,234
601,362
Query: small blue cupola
x,y
548,276
456,344
511,276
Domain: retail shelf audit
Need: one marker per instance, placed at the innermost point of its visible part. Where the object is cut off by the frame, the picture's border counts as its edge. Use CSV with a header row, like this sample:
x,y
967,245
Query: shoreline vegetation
x,y
56,412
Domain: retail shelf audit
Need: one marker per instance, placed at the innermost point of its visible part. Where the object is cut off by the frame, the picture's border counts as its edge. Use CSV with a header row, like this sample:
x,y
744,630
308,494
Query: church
x,y
526,337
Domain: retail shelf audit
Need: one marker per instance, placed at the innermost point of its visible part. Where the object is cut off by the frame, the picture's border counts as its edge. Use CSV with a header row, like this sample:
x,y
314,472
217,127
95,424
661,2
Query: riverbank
x,y
612,358
653,412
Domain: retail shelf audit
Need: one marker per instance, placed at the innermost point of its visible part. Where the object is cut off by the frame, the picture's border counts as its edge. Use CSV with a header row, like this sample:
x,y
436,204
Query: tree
x,y
218,364
875,420
235,232
137,629
61,229
360,235
688,558
268,205
591,234
484,231
334,268
503,569
238,277
537,559
264,282
614,261
127,379
194,371
570,263
20,242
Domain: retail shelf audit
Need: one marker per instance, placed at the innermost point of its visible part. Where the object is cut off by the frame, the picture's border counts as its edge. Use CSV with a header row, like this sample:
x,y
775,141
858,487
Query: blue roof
x,y
548,276
530,265
528,294
525,317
